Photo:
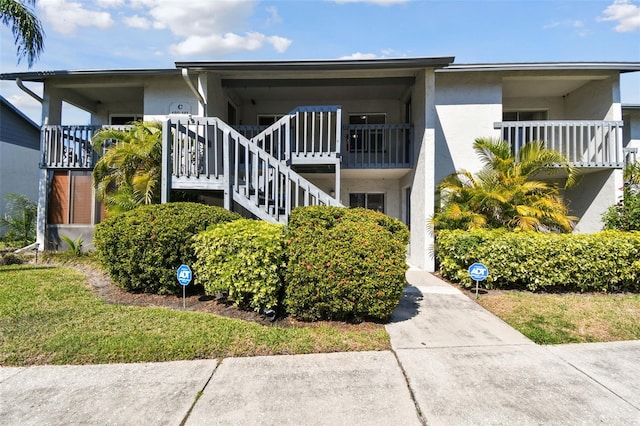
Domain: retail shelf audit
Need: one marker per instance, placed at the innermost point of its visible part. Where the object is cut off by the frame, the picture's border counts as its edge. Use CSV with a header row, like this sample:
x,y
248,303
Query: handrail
x,y
306,131
207,147
378,145
70,147
585,143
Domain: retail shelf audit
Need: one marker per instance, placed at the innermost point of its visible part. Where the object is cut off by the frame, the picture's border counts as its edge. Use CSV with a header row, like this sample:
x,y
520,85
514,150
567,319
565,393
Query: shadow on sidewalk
x,y
409,305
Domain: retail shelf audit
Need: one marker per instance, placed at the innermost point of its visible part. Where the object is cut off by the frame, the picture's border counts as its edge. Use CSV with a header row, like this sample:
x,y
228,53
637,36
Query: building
x,y
19,155
263,137
631,131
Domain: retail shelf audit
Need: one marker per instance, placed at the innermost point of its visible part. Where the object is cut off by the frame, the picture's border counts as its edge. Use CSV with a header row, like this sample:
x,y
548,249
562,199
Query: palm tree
x,y
504,194
128,173
26,28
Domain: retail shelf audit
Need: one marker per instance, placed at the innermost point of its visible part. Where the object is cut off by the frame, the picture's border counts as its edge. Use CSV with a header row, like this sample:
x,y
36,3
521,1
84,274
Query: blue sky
x,y
117,34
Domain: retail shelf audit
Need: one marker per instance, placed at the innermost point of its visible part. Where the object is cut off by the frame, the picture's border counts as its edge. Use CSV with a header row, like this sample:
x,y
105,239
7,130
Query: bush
x,y
624,216
10,259
344,264
142,249
244,258
607,261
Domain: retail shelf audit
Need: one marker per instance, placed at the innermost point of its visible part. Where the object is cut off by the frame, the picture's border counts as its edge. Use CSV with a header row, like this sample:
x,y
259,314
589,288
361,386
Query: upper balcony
x,y
585,143
306,137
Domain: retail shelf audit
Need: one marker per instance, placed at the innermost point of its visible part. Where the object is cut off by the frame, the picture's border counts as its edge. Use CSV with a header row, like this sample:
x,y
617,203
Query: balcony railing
x,y
585,143
69,147
377,146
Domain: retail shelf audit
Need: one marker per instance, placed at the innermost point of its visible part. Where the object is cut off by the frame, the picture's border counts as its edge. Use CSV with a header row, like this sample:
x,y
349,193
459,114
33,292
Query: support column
x,y
51,114
165,180
41,221
226,167
423,185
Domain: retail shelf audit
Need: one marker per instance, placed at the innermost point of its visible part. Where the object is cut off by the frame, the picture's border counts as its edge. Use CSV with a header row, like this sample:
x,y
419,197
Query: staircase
x,y
208,154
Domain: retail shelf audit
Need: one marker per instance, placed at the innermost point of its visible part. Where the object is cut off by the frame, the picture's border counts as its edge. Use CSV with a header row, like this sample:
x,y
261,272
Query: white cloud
x,y
107,4
208,27
136,21
274,17
359,55
566,23
198,17
65,16
625,13
577,26
220,44
378,2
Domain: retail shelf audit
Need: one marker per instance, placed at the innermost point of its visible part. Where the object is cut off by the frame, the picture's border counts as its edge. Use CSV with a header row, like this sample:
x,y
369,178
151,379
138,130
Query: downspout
x,y
200,96
28,91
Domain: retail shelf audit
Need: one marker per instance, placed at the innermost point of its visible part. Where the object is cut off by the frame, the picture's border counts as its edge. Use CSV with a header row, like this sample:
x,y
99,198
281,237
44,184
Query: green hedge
x,y
244,258
141,249
344,264
607,261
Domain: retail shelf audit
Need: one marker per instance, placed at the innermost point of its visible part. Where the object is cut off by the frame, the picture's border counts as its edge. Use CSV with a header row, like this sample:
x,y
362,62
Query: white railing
x,y
67,147
70,147
585,143
377,146
207,148
316,134
305,135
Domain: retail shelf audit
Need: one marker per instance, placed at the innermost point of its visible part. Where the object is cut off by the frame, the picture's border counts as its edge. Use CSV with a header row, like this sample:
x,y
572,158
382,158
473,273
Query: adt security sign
x,y
184,278
184,275
478,272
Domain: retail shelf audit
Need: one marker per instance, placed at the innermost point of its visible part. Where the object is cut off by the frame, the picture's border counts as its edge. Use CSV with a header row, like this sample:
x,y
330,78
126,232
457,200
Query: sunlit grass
x,y
49,316
568,318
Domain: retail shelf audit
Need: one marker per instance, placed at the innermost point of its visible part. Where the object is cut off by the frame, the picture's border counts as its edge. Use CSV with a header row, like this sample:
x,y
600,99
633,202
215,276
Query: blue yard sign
x,y
184,275
478,272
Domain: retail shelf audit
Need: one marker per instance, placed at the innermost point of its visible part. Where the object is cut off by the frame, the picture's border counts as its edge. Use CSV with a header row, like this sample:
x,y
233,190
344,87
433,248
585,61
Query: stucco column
x,y
51,114
423,186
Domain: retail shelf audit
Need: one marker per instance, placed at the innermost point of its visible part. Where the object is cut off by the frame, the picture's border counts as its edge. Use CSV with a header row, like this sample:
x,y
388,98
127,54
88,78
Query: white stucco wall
x,y
592,197
595,100
554,105
467,105
161,93
392,107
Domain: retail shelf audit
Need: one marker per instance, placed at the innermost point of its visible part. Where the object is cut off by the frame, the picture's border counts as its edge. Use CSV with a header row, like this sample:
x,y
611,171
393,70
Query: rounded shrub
x,y
344,264
245,259
141,249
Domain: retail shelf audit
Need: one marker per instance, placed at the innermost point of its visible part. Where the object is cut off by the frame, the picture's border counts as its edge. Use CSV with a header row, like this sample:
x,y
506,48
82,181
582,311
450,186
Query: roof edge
x,y
538,66
40,76
17,111
329,64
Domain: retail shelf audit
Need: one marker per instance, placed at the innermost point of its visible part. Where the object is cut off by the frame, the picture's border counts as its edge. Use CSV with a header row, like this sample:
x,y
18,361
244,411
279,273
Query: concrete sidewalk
x,y
452,363
466,366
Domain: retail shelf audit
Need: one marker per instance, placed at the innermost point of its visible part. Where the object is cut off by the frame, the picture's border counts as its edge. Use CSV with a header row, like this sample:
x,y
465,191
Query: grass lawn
x,y
49,316
568,318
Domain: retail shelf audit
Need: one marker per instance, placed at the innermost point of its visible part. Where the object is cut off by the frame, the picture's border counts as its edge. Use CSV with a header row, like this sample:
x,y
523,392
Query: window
x,y
524,115
268,119
365,133
372,201
71,200
123,119
523,134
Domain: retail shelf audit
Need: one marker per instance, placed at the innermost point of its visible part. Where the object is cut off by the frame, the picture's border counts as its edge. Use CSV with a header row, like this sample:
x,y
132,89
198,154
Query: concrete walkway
x,y
452,363
466,366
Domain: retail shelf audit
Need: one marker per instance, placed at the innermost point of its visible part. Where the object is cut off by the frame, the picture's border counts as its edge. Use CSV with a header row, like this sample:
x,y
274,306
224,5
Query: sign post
x,y
184,278
478,272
